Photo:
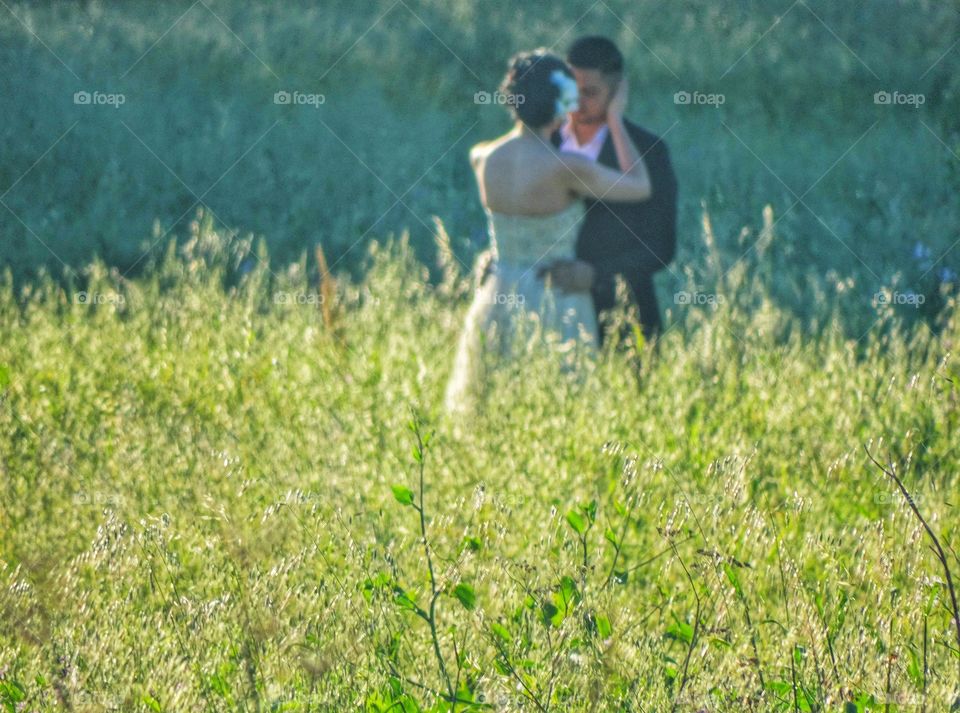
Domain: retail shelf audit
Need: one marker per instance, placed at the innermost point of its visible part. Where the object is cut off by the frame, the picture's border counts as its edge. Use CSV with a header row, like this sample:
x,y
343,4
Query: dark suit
x,y
634,240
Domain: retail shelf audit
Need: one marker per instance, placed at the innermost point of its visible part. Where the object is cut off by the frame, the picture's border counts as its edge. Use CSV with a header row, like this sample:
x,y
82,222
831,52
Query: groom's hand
x,y
569,275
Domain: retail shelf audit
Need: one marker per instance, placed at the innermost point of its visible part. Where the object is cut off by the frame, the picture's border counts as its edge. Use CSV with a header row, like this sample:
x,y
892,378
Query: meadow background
x,y
217,456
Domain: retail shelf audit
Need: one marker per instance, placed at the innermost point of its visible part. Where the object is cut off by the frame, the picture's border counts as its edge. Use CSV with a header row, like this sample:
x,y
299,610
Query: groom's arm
x,y
663,209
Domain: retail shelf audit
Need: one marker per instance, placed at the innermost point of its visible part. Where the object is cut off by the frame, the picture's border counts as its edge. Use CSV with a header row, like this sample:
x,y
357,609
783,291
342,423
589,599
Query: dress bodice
x,y
527,239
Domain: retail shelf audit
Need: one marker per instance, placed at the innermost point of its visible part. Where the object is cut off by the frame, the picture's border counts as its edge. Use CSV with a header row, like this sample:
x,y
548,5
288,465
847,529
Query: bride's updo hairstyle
x,y
531,93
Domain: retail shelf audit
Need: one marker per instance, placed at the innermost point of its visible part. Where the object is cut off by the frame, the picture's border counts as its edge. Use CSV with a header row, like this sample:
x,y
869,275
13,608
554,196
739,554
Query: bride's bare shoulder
x,y
483,150
479,151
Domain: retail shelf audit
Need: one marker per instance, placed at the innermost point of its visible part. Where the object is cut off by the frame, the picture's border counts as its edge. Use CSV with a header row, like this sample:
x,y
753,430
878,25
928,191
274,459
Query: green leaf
x,y
549,613
565,599
466,595
670,672
590,510
501,631
915,668
575,521
470,543
680,631
404,600
610,536
568,590
151,702
603,627
370,586
403,495
11,693
782,688
734,579
219,685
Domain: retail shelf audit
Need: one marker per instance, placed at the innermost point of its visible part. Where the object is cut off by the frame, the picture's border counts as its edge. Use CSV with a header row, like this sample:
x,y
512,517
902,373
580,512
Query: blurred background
x,y
341,123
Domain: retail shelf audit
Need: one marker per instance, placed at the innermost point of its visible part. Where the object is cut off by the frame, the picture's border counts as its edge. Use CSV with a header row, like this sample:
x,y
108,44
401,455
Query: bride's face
x,y
595,95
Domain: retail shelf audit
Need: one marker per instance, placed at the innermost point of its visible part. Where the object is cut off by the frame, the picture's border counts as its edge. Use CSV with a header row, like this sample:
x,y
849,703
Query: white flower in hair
x,y
569,99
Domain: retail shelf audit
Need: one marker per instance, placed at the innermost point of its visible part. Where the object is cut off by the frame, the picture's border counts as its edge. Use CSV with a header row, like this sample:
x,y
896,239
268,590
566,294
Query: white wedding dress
x,y
512,294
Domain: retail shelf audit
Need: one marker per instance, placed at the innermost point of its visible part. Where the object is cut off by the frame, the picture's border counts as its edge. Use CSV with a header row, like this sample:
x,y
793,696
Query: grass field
x,y
229,484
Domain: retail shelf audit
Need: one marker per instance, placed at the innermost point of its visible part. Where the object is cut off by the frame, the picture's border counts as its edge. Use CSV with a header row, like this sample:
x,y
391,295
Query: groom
x,y
634,240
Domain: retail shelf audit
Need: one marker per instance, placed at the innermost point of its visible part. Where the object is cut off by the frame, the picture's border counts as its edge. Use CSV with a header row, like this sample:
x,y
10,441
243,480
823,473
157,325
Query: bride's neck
x,y
542,134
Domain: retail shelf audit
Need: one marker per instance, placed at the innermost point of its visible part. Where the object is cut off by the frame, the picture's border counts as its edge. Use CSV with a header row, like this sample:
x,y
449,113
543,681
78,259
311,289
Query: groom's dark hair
x,y
596,52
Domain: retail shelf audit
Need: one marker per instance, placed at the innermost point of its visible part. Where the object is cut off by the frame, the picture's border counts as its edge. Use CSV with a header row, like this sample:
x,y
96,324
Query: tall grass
x,y
214,502
229,483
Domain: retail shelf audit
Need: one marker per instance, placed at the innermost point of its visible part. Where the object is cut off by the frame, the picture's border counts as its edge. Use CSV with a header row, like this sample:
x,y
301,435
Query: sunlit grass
x,y
213,504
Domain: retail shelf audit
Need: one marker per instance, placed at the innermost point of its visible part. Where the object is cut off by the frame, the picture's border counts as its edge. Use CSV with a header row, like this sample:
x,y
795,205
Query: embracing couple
x,y
574,195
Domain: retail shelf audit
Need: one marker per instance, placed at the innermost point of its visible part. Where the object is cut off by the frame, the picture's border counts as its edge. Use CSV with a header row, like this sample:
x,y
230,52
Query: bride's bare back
x,y
518,176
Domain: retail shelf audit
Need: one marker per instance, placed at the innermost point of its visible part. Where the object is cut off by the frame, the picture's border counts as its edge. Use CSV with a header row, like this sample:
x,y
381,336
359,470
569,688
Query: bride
x,y
531,193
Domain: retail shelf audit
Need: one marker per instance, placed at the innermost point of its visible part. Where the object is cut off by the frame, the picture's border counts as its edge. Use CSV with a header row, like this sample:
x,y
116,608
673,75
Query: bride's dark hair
x,y
531,95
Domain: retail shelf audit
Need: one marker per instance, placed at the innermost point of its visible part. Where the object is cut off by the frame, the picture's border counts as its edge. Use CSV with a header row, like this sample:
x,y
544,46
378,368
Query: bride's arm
x,y
593,180
597,181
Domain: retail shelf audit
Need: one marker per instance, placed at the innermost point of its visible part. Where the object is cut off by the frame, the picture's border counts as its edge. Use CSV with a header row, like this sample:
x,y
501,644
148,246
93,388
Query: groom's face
x,y
595,95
